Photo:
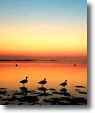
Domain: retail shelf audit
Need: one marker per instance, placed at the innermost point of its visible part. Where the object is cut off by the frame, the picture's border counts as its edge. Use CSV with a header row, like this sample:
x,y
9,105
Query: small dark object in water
x,y
52,89
80,86
83,92
74,64
3,88
65,94
16,65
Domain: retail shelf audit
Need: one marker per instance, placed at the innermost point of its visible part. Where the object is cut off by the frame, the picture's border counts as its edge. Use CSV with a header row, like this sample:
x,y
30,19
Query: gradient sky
x,y
43,28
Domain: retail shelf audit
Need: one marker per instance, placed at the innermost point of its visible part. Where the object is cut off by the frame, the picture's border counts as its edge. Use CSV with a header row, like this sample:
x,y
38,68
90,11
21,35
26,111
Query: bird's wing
x,y
22,80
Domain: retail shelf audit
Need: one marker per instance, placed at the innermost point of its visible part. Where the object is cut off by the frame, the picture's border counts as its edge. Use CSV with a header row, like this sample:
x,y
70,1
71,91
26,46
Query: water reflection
x,y
38,97
63,89
43,93
73,92
24,90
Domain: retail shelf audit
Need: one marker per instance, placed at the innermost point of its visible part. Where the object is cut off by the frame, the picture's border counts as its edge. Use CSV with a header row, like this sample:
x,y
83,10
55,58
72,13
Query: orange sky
x,y
43,40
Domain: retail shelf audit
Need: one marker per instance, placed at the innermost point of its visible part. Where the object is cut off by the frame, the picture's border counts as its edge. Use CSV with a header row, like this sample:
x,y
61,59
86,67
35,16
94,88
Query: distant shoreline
x,y
65,61
4,60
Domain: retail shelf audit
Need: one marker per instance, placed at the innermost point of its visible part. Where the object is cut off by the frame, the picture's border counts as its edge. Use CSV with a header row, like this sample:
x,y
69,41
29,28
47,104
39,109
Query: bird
x,y
64,83
43,82
24,81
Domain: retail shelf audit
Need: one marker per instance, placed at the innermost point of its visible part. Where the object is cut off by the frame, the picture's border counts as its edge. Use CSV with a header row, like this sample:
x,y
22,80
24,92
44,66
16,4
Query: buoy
x,y
16,64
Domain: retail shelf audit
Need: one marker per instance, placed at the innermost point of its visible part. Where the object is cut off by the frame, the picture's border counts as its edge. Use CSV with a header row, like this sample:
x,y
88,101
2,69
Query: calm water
x,y
55,73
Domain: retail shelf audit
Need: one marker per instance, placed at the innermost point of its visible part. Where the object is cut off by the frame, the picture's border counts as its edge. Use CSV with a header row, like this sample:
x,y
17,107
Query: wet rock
x,y
83,92
77,101
3,92
3,88
52,89
29,99
80,86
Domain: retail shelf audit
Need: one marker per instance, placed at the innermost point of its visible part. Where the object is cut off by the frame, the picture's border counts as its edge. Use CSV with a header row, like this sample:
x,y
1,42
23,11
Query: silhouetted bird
x,y
24,81
64,83
43,82
74,64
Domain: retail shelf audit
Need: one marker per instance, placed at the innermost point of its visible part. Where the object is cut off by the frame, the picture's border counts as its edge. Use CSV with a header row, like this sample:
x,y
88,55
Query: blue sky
x,y
44,10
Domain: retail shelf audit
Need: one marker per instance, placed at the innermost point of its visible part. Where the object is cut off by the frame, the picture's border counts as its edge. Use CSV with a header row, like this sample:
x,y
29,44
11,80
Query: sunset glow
x,y
38,31
43,52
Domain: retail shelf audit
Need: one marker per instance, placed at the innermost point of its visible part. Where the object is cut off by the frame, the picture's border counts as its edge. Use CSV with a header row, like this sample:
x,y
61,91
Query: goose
x,y
64,83
24,81
43,82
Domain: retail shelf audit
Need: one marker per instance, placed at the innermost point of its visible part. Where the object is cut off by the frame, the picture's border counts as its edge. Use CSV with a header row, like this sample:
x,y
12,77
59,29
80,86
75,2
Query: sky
x,y
43,28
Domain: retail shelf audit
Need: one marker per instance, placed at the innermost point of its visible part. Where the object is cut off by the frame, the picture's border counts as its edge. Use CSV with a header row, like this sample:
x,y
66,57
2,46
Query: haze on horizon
x,y
47,28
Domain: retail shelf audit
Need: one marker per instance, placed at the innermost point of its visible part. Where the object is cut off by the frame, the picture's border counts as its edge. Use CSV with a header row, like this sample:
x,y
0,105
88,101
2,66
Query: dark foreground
x,y
41,96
